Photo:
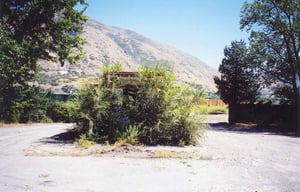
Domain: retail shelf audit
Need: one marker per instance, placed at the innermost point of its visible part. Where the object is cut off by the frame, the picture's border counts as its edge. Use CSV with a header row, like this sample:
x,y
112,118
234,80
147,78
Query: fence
x,y
283,116
211,102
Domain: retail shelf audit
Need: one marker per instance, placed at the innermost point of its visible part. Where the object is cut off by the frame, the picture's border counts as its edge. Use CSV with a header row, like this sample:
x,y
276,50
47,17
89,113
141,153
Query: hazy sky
x,y
201,28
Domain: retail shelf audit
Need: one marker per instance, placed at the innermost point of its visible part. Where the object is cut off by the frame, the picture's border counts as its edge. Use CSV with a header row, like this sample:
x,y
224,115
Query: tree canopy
x,y
46,29
238,82
31,30
275,36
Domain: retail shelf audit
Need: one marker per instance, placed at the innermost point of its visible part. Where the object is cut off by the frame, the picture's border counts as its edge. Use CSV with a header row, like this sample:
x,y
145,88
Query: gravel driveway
x,y
226,160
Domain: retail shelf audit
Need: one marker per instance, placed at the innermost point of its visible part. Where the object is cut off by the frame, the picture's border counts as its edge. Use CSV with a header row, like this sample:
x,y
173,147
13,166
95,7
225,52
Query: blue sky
x,y
201,28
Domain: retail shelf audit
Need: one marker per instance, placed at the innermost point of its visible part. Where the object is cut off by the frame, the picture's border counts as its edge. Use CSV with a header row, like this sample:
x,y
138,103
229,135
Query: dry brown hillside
x,y
107,45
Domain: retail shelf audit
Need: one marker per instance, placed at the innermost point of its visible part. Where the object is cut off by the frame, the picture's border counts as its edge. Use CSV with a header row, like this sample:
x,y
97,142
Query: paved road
x,y
238,161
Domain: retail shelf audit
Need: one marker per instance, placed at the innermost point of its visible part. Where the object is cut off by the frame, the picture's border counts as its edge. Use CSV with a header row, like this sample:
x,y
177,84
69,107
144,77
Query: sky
x,y
201,28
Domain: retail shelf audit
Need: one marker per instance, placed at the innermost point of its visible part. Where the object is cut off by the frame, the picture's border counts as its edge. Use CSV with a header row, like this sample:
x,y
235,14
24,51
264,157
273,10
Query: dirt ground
x,y
33,158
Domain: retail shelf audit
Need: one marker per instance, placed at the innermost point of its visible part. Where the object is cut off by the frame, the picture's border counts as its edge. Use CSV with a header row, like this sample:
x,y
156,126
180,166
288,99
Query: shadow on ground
x,y
67,137
247,129
70,136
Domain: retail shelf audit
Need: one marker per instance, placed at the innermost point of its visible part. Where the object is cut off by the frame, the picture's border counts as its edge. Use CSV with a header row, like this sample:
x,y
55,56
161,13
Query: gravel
x,y
32,159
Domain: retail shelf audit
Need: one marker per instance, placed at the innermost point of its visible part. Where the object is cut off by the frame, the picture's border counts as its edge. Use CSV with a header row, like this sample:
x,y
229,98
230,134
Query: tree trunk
x,y
296,91
298,113
232,114
1,10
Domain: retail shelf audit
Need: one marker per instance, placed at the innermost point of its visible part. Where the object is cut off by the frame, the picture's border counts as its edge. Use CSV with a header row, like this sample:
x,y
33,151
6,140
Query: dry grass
x,y
119,149
169,154
122,143
83,142
182,155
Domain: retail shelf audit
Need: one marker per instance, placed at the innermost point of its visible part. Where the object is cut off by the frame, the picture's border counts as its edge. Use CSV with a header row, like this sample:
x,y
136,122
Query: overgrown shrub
x,y
24,104
63,111
159,112
100,112
36,104
27,104
164,110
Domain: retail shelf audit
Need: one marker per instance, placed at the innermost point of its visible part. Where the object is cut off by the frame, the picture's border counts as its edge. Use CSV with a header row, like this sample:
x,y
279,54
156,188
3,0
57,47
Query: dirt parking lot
x,y
32,159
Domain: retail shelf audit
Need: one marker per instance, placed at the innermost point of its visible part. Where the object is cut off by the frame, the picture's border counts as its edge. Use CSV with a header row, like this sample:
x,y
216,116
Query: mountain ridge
x,y
109,45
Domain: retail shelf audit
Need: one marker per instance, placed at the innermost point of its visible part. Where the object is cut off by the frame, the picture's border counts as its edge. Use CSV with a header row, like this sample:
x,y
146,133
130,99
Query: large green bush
x,y
158,112
34,104
100,114
59,111
164,109
24,104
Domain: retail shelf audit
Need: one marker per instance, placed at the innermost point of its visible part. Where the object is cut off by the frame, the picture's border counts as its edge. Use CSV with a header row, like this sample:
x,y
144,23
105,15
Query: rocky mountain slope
x,y
108,45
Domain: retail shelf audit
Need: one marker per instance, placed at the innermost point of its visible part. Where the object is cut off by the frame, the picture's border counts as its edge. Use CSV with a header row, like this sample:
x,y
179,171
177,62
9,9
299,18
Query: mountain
x,y
108,45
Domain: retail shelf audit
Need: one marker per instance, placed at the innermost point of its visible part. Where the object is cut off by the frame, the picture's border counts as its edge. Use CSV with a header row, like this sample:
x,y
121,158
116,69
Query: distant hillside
x,y
107,45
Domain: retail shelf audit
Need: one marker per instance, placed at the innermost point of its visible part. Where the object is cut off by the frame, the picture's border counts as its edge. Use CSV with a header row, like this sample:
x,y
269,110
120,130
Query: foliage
x,y
117,67
63,111
164,110
275,37
99,114
200,109
157,113
213,95
203,109
35,105
238,82
199,95
11,92
217,110
285,93
130,135
84,142
43,27
29,31
24,104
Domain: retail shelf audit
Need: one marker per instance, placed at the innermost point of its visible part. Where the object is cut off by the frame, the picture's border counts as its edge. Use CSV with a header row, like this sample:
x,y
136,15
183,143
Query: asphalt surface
x,y
30,160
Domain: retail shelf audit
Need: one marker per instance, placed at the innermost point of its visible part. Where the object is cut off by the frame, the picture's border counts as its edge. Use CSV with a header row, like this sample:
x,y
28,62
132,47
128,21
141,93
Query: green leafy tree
x,y
275,35
31,30
11,55
238,82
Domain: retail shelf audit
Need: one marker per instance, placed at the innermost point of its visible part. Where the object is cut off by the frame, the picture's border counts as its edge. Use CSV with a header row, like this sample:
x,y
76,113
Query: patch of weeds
x,y
84,142
168,154
123,143
129,136
182,155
